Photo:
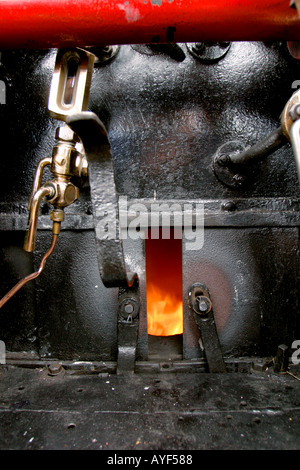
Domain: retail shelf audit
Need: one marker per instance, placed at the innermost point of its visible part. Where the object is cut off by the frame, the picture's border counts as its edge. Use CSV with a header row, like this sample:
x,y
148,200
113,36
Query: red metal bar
x,y
65,23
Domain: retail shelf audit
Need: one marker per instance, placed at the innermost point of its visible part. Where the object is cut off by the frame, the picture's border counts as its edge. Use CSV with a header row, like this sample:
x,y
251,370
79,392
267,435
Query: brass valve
x,y
68,94
66,162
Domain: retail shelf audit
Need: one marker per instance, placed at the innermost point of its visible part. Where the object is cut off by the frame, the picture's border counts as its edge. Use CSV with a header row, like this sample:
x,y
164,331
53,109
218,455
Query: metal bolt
x,y
223,160
208,52
204,304
55,369
198,47
128,308
224,44
228,206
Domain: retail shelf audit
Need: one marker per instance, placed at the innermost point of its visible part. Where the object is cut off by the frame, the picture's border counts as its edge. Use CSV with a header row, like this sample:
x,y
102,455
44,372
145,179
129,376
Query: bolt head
x,y
203,305
228,206
55,369
128,308
198,47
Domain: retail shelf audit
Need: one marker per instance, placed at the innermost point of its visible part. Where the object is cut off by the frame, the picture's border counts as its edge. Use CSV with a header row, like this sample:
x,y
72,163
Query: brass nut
x,y
71,193
57,215
66,134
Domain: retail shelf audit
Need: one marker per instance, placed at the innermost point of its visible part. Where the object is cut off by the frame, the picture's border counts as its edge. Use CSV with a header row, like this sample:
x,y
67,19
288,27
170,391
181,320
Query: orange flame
x,y
164,312
164,286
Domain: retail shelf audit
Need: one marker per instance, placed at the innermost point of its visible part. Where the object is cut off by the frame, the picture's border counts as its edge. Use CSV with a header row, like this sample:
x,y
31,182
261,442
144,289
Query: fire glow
x,y
164,286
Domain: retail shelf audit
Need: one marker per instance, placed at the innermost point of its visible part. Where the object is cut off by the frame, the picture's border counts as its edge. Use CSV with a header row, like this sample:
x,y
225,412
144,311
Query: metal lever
x,y
128,325
201,305
235,165
104,199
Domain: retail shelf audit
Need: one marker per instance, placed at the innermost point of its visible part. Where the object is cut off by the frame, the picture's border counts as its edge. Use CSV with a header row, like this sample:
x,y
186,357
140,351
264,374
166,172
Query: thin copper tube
x,y
38,177
32,276
30,237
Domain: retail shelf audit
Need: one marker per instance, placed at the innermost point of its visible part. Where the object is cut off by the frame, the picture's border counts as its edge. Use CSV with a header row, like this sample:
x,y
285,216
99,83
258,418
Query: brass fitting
x,y
30,236
69,93
70,87
65,163
65,192
66,158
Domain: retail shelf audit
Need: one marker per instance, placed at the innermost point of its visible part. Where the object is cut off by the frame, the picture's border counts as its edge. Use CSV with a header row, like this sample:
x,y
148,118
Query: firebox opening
x,y
164,292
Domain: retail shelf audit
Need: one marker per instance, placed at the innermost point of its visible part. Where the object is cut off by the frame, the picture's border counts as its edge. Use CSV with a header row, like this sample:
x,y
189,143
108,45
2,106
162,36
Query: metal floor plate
x,y
182,411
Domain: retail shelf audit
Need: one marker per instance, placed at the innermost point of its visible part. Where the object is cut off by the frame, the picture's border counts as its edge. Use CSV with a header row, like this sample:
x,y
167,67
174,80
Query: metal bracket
x,y
104,199
201,305
128,322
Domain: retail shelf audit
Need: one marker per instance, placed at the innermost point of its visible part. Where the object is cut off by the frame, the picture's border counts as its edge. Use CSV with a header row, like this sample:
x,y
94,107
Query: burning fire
x,y
164,286
164,312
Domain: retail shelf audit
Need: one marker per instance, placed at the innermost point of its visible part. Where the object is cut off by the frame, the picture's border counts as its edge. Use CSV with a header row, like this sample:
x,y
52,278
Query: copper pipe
x,y
38,178
34,275
30,237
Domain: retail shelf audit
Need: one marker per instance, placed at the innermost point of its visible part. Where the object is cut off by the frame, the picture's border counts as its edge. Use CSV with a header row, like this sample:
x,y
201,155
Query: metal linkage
x,y
201,305
128,323
235,165
104,199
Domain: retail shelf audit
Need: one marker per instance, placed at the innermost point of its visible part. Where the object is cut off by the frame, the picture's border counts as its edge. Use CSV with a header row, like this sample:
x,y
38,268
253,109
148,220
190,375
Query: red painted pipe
x,y
38,24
